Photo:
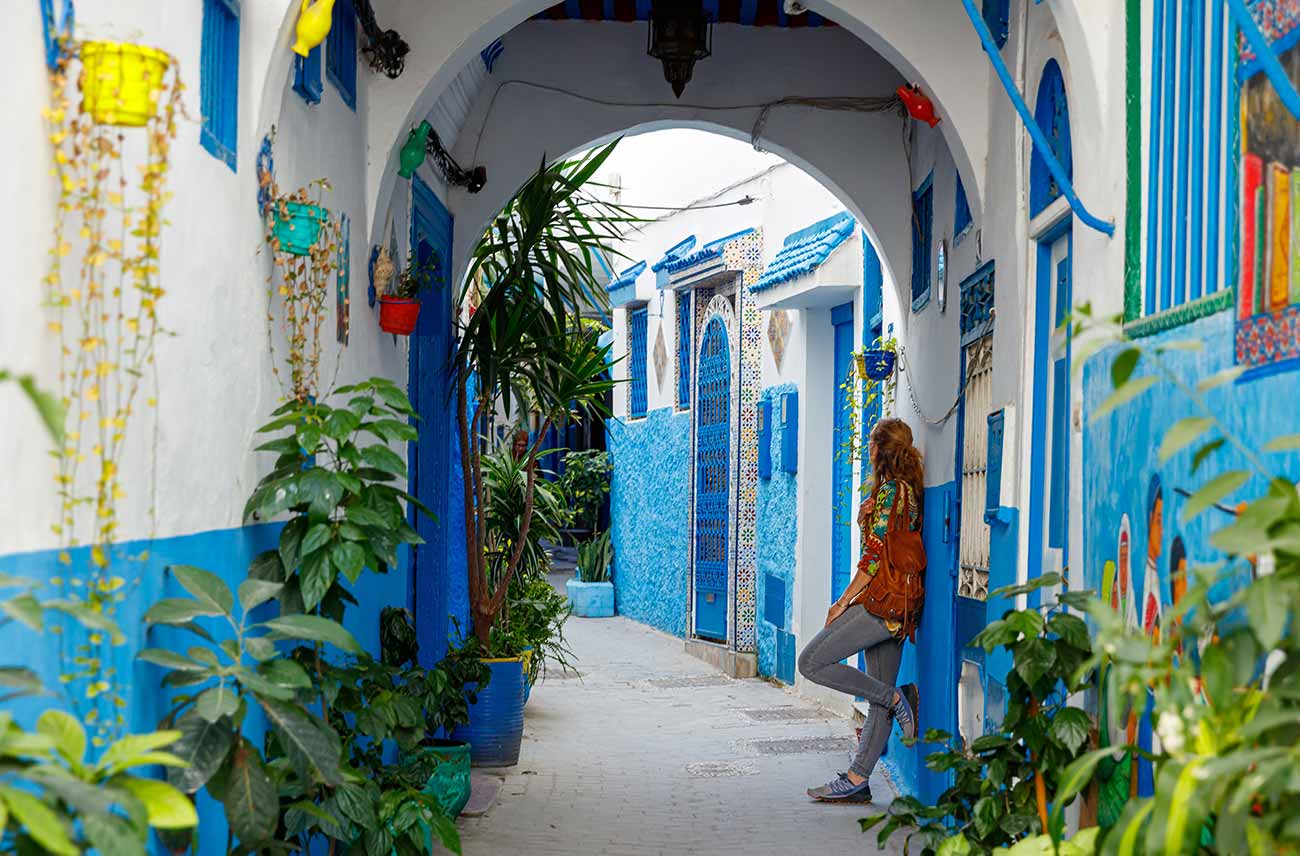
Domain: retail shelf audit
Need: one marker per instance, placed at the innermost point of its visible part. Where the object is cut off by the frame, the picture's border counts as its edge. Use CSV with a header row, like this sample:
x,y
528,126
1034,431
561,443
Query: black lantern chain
x,y
385,50
471,179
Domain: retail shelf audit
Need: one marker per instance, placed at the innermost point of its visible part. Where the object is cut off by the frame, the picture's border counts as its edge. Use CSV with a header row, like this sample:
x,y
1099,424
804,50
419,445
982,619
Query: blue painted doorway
x,y
429,385
712,481
842,453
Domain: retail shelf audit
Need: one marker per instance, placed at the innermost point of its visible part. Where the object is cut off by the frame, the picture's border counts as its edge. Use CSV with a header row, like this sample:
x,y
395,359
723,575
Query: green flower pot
x,y
444,766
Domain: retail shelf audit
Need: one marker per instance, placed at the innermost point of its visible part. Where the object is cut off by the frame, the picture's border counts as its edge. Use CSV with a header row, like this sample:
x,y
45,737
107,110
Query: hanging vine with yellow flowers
x,y
305,244
111,140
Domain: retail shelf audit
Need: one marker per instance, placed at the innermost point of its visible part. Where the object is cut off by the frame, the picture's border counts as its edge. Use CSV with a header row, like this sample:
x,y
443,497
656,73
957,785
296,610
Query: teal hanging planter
x,y
298,232
444,766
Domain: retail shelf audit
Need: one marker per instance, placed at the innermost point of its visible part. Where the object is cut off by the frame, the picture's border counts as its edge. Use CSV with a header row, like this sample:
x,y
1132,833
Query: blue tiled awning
x,y
806,250
627,277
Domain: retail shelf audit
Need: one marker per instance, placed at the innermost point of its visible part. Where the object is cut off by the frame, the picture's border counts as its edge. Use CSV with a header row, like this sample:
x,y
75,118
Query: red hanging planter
x,y
398,315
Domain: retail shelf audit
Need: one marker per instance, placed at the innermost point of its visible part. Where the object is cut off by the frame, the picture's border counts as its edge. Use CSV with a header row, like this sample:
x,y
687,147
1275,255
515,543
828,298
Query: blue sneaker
x,y
905,709
841,789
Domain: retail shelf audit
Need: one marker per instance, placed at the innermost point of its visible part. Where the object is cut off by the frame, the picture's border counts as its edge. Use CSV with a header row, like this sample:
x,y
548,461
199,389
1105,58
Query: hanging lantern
x,y
680,36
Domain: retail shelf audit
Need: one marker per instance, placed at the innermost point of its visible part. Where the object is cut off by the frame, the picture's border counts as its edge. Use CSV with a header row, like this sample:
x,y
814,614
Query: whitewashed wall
x,y
215,381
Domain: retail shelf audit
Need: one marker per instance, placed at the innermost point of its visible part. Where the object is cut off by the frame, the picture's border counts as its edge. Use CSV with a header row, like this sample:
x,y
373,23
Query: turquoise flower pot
x,y
299,232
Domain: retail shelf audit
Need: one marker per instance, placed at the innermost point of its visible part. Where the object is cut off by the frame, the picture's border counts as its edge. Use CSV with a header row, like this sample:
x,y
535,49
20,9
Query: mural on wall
x,y
1268,293
778,334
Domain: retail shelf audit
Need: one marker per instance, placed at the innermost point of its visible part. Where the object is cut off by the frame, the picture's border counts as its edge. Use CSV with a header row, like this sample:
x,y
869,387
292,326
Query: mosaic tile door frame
x,y
725,290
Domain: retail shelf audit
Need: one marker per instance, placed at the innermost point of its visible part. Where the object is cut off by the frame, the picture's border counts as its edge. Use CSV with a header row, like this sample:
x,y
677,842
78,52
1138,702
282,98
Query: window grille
x,y
341,49
637,319
922,231
973,581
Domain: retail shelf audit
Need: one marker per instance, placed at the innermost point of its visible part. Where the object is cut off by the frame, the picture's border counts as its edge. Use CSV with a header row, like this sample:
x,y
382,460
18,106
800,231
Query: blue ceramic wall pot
x,y
877,363
496,718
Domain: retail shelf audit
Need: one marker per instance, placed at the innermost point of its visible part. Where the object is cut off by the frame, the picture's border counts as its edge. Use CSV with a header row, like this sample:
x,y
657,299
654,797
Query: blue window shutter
x,y
637,393
922,232
684,343
997,14
341,47
961,219
306,76
219,80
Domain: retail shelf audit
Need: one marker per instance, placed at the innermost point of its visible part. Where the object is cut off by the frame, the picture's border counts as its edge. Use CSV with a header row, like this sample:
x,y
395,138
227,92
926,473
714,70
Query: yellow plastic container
x,y
121,83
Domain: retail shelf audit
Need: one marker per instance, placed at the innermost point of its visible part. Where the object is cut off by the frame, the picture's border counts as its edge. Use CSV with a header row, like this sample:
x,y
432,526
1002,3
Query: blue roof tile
x,y
627,277
806,250
711,250
680,248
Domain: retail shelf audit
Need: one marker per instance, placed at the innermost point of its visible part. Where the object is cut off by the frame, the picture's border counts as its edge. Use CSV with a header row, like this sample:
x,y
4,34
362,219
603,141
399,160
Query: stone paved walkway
x,y
654,752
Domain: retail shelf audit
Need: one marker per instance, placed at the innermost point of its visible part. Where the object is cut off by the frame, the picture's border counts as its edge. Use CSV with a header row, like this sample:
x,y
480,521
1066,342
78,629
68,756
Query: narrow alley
x,y
651,751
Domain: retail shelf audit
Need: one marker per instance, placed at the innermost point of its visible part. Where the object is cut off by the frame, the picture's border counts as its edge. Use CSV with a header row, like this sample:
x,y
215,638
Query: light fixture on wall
x,y
424,141
680,35
385,50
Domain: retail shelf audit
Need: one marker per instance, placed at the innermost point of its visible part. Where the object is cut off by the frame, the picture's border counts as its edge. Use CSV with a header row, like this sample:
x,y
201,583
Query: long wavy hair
x,y
893,457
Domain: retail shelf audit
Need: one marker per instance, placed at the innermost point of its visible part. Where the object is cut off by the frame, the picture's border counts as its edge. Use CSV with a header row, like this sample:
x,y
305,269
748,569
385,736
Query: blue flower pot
x,y
877,363
591,600
496,718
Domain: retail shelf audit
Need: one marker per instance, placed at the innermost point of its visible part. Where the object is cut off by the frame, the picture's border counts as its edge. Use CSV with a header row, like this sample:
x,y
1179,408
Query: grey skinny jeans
x,y
858,630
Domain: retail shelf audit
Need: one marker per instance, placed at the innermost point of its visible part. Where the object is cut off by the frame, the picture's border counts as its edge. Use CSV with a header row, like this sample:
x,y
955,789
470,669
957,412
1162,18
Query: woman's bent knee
x,y
808,664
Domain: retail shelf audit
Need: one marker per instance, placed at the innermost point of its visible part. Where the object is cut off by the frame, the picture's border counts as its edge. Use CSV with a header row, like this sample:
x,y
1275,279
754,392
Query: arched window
x,y
1052,113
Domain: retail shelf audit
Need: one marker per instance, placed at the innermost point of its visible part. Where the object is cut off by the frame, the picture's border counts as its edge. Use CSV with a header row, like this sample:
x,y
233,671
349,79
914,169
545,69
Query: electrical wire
x,y
848,103
748,200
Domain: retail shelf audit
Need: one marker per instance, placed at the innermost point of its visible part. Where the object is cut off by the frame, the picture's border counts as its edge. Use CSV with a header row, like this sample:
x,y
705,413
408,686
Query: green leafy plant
x,y
1222,677
525,349
418,276
334,471
1004,781
54,797
398,645
585,483
506,479
535,619
595,558
48,406
222,679
861,393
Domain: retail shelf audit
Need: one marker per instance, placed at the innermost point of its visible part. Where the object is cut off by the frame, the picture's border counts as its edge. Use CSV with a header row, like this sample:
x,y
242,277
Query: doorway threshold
x,y
731,663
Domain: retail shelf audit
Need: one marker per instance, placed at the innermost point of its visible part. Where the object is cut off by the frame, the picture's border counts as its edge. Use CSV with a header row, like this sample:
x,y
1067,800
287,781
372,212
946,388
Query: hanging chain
x,y
961,393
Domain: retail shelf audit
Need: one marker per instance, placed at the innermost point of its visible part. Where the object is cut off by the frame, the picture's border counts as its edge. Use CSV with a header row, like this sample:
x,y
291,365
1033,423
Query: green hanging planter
x,y
299,231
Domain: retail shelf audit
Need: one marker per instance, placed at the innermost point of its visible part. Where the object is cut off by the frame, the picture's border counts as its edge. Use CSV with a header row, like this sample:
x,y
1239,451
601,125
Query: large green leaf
x,y
1267,606
340,424
216,702
315,578
167,807
1071,629
313,748
170,660
25,609
1285,443
203,746
1213,491
179,610
22,681
313,628
349,559
1123,395
383,458
126,749
67,733
42,824
986,812
253,592
1070,728
317,536
252,806
285,673
1034,658
1182,434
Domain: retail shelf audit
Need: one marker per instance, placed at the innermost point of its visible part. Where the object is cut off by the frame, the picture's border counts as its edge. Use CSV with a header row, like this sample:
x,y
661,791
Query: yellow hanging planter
x,y
313,25
121,83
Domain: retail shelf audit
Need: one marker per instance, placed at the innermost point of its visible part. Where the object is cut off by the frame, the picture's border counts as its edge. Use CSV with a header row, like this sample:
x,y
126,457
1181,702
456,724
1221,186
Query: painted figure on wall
x,y
1268,288
1143,783
1115,777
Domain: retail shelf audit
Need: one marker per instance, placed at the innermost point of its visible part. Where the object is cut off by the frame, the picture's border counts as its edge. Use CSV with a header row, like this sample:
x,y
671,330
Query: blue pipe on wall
x,y
1167,171
1036,133
1153,154
1199,238
1186,33
1267,59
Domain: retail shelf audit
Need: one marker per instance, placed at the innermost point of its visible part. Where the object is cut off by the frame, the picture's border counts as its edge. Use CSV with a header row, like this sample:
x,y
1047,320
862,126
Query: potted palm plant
x,y
591,593
524,350
399,309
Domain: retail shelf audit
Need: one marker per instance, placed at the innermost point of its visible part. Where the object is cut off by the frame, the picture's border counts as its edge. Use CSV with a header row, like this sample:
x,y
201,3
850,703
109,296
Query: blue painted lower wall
x,y
1121,469
650,514
778,532
225,552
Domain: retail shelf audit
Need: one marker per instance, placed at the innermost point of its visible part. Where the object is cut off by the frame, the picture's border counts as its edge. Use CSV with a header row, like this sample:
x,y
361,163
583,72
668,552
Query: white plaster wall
x,y
214,376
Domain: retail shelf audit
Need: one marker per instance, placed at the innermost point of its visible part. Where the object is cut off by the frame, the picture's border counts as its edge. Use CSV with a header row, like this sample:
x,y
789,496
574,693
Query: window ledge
x,y
1177,316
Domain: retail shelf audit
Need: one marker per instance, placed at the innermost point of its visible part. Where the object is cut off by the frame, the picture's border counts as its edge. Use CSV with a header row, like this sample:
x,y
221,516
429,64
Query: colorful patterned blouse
x,y
873,519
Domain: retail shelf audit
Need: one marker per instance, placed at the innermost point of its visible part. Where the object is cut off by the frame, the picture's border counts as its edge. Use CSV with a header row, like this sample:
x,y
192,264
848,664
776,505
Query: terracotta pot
x,y
398,315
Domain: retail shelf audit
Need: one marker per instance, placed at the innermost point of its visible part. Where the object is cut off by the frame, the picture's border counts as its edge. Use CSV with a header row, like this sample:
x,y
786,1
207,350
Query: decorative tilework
x,y
1271,338
778,334
660,357
977,304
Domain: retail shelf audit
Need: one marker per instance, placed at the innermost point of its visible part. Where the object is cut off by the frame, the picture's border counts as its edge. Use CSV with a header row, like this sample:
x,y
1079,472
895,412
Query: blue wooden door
x,y
431,229
842,457
712,481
